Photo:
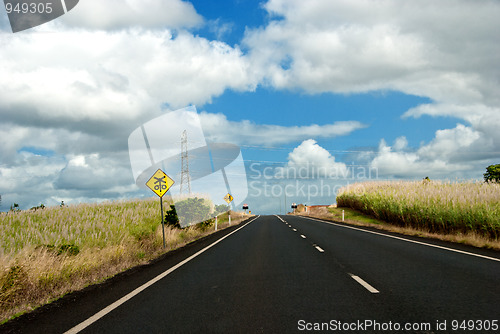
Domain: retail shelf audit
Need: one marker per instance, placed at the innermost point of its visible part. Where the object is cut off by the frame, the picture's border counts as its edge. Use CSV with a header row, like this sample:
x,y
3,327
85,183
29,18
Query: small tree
x,y
171,218
492,173
193,210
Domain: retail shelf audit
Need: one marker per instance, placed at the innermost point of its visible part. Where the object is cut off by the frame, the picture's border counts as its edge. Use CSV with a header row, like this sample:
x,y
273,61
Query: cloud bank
x,y
79,85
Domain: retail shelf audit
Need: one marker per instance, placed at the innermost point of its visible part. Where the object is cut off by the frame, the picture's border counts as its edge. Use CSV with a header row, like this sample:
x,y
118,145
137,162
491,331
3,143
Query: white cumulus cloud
x,y
446,156
444,50
120,14
248,132
309,160
89,80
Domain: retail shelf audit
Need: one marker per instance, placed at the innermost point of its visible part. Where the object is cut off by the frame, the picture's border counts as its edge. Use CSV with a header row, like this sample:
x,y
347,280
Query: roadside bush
x,y
171,218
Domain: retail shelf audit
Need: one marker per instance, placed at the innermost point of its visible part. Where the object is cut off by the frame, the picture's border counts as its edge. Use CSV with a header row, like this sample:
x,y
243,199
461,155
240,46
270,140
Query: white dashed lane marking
x,y
319,249
280,219
364,284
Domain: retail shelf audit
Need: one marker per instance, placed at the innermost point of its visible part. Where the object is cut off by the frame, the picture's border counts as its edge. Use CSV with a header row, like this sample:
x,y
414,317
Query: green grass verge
x,y
48,253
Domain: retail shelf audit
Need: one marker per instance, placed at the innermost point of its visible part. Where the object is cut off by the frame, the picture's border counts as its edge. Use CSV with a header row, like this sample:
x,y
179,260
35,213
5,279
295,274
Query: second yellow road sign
x,y
228,198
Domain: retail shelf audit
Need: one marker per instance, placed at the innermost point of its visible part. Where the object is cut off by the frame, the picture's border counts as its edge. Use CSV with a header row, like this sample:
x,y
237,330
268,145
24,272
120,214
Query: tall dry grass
x,y
47,253
442,207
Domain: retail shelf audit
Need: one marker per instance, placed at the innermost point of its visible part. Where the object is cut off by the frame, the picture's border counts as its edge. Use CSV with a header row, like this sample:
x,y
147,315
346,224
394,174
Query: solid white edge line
x,y
138,290
319,249
364,284
64,6
408,240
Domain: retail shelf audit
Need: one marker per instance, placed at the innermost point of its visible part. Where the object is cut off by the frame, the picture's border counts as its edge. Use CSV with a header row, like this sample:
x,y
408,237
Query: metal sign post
x,y
162,221
159,183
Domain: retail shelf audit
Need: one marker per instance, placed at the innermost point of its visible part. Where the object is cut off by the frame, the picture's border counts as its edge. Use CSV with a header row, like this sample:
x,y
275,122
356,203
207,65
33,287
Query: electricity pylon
x,y
185,178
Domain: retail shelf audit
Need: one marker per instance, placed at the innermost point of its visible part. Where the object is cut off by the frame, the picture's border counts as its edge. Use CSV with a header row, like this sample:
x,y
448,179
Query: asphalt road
x,y
284,274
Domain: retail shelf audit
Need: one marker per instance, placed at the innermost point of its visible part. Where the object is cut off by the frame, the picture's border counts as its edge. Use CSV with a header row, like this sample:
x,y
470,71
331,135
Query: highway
x,y
282,274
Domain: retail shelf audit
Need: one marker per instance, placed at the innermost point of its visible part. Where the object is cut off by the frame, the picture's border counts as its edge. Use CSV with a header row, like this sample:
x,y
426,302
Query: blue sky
x,y
406,88
231,18
379,111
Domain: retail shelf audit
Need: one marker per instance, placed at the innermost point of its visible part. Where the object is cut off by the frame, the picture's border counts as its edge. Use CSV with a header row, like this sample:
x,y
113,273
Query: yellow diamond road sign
x,y
228,198
160,183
